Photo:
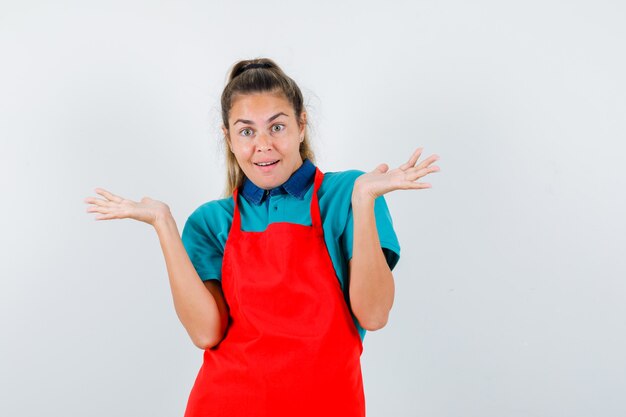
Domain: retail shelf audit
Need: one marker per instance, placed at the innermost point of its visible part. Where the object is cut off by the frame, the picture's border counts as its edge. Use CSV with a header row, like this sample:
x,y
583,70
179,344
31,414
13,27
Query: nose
x,y
263,142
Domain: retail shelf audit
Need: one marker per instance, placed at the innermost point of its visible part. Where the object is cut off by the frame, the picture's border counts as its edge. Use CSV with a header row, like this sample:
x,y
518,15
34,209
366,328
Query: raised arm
x,y
200,306
371,282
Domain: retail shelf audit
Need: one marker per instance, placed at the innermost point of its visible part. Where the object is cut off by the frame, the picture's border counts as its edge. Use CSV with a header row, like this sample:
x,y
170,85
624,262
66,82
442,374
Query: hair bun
x,y
254,65
251,66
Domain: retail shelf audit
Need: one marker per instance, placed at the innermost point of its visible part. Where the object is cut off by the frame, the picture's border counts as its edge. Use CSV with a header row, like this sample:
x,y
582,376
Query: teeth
x,y
264,164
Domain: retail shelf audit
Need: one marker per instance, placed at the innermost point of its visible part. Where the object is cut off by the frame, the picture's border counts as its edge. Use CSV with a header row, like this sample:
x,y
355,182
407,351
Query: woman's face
x,y
264,135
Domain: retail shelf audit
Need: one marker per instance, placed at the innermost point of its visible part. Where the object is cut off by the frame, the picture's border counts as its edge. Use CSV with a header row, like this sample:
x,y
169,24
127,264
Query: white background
x,y
511,285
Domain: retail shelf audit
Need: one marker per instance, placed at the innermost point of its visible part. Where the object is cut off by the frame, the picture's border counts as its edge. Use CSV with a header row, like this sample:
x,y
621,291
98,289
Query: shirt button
x,y
275,207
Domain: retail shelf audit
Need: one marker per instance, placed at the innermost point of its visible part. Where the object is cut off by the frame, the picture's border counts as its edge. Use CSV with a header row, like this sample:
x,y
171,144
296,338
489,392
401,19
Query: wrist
x,y
164,221
361,196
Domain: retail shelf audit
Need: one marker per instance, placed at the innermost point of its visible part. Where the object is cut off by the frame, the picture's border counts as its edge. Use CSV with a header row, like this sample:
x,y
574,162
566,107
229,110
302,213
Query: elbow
x,y
372,317
374,322
207,338
206,342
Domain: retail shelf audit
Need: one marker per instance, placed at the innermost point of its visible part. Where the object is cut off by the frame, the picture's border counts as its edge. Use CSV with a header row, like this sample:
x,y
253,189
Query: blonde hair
x,y
258,76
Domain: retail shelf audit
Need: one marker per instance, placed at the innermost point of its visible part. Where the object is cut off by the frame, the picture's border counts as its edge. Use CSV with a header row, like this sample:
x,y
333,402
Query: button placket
x,y
276,208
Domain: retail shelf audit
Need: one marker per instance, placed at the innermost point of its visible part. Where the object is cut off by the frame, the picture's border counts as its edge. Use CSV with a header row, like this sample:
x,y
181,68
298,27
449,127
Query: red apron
x,y
291,347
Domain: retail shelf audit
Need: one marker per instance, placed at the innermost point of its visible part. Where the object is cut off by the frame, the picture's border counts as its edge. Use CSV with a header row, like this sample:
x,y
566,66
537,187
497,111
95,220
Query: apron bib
x,y
291,347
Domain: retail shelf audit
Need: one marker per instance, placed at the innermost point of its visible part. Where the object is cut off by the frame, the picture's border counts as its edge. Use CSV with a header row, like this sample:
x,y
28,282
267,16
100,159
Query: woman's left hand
x,y
383,180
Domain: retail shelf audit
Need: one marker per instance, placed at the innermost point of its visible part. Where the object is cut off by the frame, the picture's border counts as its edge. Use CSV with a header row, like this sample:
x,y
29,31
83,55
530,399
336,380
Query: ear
x,y
227,137
302,122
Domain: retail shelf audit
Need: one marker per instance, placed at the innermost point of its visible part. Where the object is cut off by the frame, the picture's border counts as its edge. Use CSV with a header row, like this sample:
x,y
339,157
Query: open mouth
x,y
266,164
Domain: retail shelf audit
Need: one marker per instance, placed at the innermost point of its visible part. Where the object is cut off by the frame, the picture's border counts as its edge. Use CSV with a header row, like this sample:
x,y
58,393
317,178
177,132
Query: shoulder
x,y
214,208
204,236
335,198
339,181
212,215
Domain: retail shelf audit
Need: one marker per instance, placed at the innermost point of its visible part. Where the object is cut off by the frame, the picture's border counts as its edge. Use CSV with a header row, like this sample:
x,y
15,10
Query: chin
x,y
268,185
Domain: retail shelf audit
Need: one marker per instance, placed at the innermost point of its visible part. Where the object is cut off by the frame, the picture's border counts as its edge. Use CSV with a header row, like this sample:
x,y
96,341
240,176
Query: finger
x,y
97,201
418,185
109,195
412,160
432,158
420,172
104,217
99,209
410,185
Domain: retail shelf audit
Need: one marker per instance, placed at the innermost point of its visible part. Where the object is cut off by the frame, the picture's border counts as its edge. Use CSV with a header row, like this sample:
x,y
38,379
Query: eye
x,y
278,128
246,132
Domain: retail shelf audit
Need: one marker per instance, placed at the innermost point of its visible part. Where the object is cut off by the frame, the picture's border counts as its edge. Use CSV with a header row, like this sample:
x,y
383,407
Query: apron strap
x,y
236,225
316,218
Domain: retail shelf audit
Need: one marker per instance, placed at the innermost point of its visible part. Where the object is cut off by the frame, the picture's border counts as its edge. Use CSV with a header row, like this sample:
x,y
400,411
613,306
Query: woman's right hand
x,y
115,207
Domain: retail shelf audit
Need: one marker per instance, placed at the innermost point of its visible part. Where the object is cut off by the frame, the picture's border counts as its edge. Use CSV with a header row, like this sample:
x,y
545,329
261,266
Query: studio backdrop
x,y
511,282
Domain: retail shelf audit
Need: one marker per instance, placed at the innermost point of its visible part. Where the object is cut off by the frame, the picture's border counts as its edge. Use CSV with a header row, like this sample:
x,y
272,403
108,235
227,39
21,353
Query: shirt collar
x,y
296,185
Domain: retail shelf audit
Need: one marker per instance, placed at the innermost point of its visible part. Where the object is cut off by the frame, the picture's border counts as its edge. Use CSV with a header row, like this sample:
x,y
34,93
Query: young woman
x,y
279,281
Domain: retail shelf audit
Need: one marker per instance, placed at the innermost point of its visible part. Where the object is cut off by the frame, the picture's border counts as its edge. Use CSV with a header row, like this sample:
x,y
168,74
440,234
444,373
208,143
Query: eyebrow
x,y
250,122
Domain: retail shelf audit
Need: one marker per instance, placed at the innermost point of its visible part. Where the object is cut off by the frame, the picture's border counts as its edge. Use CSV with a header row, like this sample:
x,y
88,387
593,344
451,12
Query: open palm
x,y
113,206
383,180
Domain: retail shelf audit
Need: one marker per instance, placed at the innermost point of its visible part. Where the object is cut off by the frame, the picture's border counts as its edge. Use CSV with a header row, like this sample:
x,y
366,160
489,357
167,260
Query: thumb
x,y
382,168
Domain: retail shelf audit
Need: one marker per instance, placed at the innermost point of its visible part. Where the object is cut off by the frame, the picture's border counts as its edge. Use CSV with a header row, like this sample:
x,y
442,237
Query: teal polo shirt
x,y
206,229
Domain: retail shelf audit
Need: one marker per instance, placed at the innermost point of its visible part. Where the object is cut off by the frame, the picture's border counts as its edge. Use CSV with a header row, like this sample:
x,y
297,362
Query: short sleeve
x,y
387,236
204,244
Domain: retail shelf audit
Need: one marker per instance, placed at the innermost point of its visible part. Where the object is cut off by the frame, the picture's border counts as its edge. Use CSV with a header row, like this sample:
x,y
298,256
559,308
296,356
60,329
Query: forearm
x,y
195,306
371,281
